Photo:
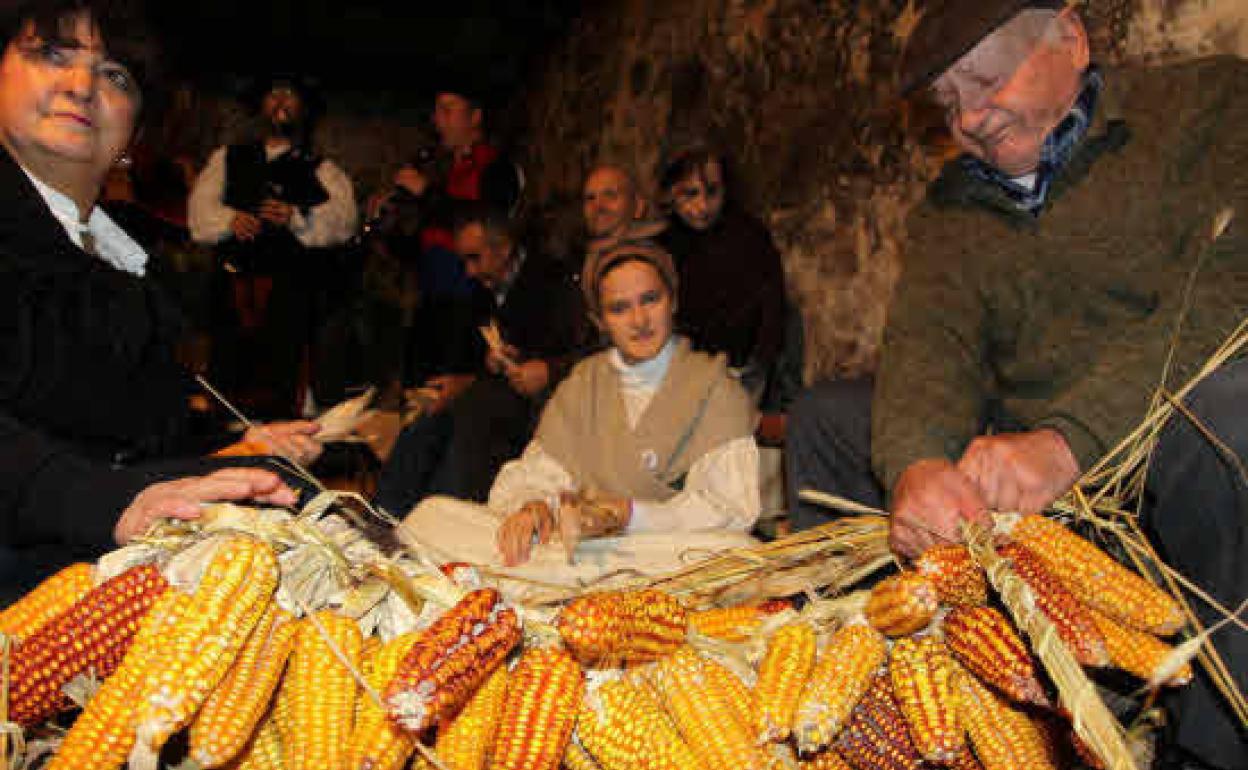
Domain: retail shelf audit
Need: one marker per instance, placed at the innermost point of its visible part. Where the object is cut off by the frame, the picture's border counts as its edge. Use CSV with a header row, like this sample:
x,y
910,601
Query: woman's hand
x,y
294,440
181,499
515,536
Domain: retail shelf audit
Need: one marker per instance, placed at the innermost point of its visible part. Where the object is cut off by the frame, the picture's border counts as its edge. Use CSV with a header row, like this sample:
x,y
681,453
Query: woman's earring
x,y
123,160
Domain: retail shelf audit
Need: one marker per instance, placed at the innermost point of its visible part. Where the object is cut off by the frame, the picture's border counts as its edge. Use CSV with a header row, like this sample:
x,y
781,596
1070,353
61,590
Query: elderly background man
x,y
1045,275
610,202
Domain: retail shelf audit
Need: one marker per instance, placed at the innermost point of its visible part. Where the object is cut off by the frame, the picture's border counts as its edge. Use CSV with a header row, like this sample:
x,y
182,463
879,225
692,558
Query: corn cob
x,y
46,601
577,758
376,742
92,635
103,734
451,660
902,604
1137,652
840,678
876,736
922,673
735,624
323,699
368,665
782,675
616,627
705,713
985,642
965,760
539,711
233,594
827,759
957,578
263,751
624,727
720,678
1095,578
1069,616
465,742
1004,736
236,707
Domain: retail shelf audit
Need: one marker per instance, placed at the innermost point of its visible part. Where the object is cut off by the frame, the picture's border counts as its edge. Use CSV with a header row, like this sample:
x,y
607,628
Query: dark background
x,y
362,46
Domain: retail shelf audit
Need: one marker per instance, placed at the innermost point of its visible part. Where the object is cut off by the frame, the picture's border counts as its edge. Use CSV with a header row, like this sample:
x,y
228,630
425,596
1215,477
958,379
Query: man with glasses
x,y
1045,277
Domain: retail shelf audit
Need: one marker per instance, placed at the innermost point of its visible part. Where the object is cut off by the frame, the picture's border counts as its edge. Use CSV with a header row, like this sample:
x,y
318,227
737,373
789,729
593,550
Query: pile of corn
x,y
924,672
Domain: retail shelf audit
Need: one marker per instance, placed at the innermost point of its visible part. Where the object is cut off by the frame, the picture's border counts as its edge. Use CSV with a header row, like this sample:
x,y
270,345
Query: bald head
x,y
610,201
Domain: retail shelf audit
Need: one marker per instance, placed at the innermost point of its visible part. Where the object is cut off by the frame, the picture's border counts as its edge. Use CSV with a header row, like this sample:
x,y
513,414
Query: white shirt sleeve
x,y
332,222
534,475
207,216
721,492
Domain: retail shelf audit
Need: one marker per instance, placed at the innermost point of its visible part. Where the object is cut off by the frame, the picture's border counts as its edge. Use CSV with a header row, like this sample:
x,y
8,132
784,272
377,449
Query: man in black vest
x,y
273,207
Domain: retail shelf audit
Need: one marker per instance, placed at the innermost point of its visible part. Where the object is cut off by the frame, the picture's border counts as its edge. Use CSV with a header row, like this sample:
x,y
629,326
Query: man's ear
x,y
639,207
475,117
596,320
1074,36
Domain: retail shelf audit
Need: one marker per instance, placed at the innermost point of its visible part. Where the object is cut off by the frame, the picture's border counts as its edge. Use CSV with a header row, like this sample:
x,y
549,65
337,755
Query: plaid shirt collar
x,y
1056,151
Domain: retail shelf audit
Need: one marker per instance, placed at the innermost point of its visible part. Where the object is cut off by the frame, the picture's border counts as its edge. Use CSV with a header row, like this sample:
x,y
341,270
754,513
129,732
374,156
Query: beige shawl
x,y
697,408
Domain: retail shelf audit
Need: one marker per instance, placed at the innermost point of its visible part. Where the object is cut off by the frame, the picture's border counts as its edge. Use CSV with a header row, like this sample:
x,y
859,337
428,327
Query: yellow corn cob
x,y
576,758
876,737
368,661
263,751
839,680
1069,616
236,707
283,707
827,759
539,711
902,604
1004,736
984,641
323,699
103,734
47,600
735,624
1095,578
624,727
614,627
923,674
376,742
1137,652
957,578
465,742
233,594
705,713
782,676
451,660
93,634
720,678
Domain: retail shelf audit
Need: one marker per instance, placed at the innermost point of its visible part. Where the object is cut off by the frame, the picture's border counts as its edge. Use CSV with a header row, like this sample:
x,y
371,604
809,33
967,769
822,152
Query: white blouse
x,y
720,491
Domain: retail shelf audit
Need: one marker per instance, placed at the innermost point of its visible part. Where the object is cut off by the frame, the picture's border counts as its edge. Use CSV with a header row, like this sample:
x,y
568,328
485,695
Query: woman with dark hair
x,y
644,453
87,368
731,277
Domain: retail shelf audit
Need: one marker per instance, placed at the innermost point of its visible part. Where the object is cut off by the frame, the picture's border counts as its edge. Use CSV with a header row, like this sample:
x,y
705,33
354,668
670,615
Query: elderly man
x,y
610,202
1046,276
475,422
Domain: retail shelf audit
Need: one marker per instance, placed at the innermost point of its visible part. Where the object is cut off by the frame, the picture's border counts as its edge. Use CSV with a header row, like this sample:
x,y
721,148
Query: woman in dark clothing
x,y
731,278
86,344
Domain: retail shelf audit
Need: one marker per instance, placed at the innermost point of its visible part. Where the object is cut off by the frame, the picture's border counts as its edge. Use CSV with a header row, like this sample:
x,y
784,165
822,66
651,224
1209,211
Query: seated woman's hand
x,y
294,440
515,535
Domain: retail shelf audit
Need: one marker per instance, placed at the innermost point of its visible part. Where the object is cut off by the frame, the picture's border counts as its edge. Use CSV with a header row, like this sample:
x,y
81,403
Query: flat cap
x,y
950,28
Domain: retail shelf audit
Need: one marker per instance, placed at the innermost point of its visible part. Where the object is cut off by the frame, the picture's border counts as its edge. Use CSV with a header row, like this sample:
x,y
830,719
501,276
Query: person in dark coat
x,y
475,422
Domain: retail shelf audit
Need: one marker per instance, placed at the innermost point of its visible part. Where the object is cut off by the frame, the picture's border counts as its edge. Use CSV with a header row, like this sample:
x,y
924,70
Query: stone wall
x,y
800,92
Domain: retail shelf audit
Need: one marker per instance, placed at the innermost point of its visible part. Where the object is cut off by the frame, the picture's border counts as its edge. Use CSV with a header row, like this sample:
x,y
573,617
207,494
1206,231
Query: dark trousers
x,y
459,451
828,447
1197,516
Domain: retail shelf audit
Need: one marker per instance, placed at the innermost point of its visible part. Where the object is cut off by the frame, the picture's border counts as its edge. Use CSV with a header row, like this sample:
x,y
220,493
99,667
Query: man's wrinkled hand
x,y
931,499
516,535
181,498
445,389
1022,472
295,440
